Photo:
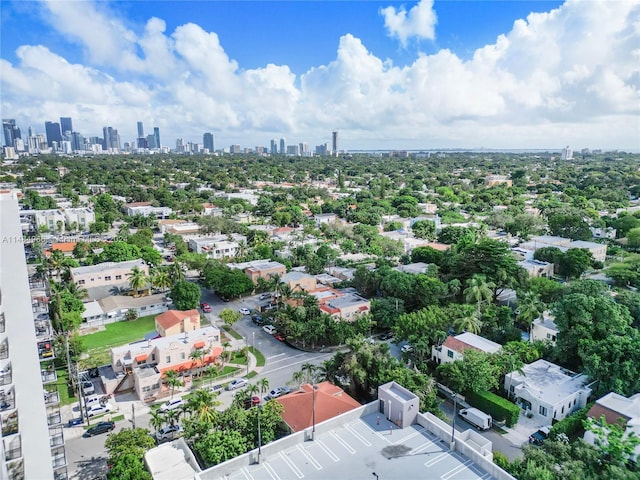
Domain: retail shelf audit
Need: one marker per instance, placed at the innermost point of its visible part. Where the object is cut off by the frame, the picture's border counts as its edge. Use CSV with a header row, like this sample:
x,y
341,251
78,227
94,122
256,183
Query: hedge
x,y
572,426
499,408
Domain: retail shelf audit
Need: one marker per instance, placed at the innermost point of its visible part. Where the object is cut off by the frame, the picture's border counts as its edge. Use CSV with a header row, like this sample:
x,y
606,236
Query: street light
x,y
254,342
313,413
259,433
453,419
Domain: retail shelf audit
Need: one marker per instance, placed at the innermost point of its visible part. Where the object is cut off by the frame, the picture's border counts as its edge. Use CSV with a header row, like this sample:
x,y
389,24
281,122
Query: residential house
x,y
106,274
598,250
174,322
617,409
347,306
544,329
66,248
492,180
257,269
298,281
453,348
413,268
146,209
313,404
140,366
546,391
217,246
115,307
325,218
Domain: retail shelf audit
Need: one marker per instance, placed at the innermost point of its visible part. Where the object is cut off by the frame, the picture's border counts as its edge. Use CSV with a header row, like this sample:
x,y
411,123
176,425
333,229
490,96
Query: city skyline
x,y
387,75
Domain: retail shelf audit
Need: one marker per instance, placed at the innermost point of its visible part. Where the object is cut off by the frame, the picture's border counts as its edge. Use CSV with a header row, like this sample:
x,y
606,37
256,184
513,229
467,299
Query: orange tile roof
x,y
199,345
330,401
141,358
66,247
171,318
190,364
459,346
443,247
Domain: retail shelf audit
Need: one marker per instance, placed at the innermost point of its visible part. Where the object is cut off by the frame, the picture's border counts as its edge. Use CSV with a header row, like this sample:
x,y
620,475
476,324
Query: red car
x,y
279,337
206,308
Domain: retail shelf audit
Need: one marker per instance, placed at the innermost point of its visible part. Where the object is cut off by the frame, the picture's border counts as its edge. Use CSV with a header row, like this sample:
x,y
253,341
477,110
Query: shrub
x,y
501,460
571,426
499,408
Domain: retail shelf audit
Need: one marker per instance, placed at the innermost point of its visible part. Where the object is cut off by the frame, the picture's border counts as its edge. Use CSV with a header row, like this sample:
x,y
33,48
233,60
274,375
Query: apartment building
x,y
453,348
218,246
32,442
106,274
257,269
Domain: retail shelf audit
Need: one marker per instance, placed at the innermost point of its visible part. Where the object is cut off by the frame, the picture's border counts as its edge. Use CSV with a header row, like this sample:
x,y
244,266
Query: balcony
x,y
56,436
4,349
5,376
43,329
59,459
61,475
48,375
10,424
15,469
3,323
45,350
51,397
53,416
12,448
7,400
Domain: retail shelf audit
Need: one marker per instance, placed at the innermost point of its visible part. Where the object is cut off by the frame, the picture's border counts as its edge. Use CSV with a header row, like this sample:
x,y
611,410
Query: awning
x,y
199,345
141,358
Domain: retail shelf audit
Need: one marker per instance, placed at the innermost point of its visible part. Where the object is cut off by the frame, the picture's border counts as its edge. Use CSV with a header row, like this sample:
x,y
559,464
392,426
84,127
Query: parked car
x,y
168,432
277,392
88,388
279,337
74,421
171,404
540,436
92,400
264,296
216,388
270,329
244,311
99,409
237,383
99,428
257,319
386,336
251,402
206,308
406,348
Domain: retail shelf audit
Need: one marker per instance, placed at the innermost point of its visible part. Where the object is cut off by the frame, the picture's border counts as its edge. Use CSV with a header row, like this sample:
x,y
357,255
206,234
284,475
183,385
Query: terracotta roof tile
x,y
171,318
459,346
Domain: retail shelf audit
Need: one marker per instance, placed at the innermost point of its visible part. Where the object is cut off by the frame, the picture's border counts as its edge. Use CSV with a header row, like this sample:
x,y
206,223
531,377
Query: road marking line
x,y
357,435
437,459
272,473
265,371
348,447
287,358
328,451
246,473
421,447
403,439
312,460
292,465
455,471
276,356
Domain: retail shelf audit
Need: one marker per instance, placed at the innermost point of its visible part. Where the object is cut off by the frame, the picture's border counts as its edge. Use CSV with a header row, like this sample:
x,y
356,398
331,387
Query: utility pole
x,y
133,415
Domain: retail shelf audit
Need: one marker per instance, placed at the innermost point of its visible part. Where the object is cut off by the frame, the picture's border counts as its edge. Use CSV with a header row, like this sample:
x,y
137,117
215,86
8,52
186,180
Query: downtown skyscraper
x,y
207,142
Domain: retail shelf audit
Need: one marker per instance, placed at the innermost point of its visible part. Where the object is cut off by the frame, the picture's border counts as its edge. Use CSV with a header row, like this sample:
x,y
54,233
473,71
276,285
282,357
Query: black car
x,y
257,319
99,428
539,437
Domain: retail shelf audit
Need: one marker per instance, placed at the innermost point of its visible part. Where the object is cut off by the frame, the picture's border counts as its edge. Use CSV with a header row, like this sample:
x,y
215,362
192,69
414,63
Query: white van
x,y
477,418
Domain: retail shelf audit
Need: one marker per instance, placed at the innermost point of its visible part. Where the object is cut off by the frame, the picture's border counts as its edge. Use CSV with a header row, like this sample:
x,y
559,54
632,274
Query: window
x,y
450,353
107,278
562,411
118,277
92,280
81,282
512,389
168,359
182,356
153,357
543,411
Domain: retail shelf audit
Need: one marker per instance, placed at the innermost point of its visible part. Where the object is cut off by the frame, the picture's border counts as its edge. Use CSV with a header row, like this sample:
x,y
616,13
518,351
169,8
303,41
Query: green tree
x,y
229,316
478,290
119,252
185,295
616,445
172,380
217,446
530,308
476,372
160,279
633,237
574,262
138,279
424,229
126,451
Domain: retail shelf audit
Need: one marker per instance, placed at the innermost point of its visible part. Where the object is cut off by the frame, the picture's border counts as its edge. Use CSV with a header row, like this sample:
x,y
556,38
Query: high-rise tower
x,y
207,142
283,146
66,125
140,130
11,131
52,129
156,133
334,143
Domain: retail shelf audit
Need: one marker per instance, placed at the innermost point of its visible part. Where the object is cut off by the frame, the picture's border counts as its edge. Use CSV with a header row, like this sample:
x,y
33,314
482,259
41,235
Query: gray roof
x,y
102,267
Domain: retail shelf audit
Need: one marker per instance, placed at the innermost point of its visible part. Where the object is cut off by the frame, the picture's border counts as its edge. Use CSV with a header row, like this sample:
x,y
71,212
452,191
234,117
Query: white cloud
x,y
420,21
568,76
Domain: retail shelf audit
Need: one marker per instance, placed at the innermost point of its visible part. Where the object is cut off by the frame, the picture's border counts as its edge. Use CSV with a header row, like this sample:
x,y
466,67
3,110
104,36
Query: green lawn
x,y
119,333
115,334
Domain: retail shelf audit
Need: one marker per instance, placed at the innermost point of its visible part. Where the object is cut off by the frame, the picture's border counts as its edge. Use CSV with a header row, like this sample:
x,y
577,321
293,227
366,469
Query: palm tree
x,y
198,356
161,279
263,383
56,262
468,320
77,292
297,378
172,379
176,273
530,308
226,353
308,370
157,420
137,279
478,290
202,403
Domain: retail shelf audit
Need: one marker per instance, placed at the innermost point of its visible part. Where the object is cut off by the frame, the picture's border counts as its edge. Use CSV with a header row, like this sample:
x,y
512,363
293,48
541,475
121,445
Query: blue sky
x,y
387,74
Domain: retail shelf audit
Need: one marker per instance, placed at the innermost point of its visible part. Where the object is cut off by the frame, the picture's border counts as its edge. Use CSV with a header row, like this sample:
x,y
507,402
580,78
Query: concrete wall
x,y
442,430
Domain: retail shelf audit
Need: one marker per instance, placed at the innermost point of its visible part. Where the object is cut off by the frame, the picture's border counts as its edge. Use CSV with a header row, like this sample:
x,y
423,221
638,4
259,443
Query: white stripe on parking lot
x,y
292,465
312,460
271,471
276,356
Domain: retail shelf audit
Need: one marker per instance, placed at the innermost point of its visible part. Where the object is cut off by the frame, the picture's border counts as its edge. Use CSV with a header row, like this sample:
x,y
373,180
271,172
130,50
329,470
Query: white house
x,y
544,329
453,348
546,391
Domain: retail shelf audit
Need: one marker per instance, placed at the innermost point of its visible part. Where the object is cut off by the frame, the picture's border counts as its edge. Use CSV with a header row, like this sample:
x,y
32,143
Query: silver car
x,y
237,383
